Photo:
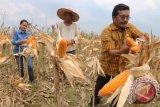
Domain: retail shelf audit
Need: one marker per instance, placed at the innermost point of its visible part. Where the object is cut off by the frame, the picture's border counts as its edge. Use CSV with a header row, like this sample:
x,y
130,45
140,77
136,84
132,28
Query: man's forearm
x,y
115,52
119,52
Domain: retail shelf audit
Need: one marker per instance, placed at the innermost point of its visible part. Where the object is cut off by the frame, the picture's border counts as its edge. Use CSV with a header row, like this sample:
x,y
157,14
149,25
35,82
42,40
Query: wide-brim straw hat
x,y
61,14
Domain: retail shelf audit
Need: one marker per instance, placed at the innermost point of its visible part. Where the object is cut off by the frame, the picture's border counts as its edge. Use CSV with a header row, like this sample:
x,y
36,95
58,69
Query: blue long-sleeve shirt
x,y
19,35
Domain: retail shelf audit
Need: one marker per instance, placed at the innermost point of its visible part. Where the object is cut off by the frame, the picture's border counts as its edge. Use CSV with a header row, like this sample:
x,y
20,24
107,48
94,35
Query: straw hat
x,y
61,14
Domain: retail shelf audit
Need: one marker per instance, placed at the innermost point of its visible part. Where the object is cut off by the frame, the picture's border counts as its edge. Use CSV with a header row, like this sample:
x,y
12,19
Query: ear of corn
x,y
134,49
115,83
31,40
133,45
130,42
62,48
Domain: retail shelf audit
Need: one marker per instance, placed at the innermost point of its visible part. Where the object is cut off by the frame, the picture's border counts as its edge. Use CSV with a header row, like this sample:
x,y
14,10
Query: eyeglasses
x,y
124,17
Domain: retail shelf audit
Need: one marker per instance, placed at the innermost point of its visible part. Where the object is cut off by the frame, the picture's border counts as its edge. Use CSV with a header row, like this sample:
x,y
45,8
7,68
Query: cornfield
x,y
51,88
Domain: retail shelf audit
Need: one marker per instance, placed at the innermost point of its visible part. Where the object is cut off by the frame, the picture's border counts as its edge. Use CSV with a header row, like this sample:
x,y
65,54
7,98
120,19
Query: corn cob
x,y
134,49
115,83
62,48
31,40
130,42
133,45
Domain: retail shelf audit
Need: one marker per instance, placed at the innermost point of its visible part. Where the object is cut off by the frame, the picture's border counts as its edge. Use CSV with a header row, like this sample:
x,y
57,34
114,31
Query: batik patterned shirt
x,y
112,39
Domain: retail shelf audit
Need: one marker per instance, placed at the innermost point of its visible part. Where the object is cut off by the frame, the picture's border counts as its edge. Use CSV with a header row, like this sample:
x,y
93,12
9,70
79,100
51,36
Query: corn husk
x,y
116,93
71,70
48,42
140,71
4,59
77,61
94,64
125,91
20,84
131,57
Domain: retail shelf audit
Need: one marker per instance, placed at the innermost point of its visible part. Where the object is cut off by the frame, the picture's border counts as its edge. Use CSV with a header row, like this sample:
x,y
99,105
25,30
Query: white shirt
x,y
69,33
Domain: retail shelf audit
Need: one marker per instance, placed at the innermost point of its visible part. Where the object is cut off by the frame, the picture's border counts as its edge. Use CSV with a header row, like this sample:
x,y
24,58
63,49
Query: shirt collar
x,y
20,31
113,27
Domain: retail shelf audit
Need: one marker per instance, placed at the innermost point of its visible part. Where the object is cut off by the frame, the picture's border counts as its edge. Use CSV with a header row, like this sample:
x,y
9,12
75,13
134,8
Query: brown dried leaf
x,y
132,58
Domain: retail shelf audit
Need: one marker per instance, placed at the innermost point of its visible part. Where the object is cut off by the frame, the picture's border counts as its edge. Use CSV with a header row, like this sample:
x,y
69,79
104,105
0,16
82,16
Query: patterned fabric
x,y
112,39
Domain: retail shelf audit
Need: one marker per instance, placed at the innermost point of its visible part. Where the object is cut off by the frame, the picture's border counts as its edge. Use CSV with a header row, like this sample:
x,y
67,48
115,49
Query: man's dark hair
x,y
119,7
23,20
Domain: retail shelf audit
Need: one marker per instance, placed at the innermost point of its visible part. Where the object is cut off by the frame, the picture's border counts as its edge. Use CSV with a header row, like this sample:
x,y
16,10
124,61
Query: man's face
x,y
68,17
121,19
23,26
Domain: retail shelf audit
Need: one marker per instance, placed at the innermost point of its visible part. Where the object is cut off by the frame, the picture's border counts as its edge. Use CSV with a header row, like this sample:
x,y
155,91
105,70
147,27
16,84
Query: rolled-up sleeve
x,y
15,39
106,41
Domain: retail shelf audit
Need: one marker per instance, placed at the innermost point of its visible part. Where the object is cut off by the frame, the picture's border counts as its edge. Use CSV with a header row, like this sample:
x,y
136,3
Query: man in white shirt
x,y
68,29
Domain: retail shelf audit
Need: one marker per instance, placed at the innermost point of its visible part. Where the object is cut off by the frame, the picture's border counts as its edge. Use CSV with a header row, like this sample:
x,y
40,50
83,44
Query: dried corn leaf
x,y
58,32
2,42
4,59
86,48
95,49
30,45
132,58
15,82
65,68
154,46
155,63
100,70
140,71
125,91
115,101
71,70
24,86
94,64
35,53
116,93
89,61
8,101
48,42
77,61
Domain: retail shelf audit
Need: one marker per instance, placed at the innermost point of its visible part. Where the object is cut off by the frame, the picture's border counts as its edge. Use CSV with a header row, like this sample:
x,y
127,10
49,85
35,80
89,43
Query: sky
x,y
95,15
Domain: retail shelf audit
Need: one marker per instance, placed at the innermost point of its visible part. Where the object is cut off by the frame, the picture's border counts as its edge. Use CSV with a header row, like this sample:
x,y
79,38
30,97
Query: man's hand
x,y
22,41
125,49
71,42
114,52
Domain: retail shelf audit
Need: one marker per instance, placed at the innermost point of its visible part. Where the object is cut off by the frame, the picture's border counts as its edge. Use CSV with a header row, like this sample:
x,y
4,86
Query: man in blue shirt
x,y
19,40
